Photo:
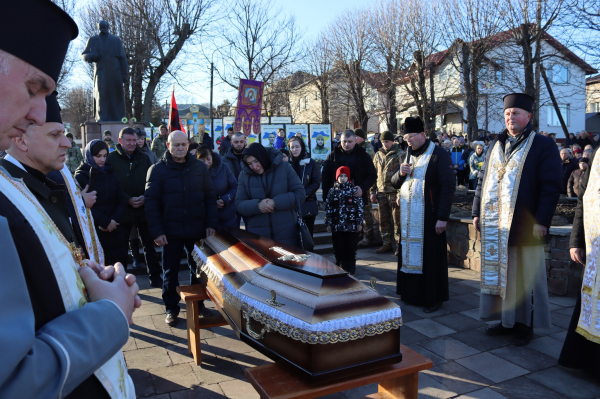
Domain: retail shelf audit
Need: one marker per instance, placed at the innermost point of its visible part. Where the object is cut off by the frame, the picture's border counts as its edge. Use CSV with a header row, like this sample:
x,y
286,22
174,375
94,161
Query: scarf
x,y
260,153
89,159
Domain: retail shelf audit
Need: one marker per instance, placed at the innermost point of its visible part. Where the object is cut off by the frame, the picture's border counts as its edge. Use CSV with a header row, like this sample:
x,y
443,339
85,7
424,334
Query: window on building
x,y
560,74
553,117
334,93
595,107
306,102
300,105
318,95
499,72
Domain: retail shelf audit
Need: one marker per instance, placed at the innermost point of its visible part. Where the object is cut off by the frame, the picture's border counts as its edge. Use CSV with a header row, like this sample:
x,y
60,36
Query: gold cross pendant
x,y
78,254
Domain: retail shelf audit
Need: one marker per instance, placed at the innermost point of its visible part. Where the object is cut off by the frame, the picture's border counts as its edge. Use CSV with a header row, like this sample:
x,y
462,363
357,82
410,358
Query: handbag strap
x,y
299,211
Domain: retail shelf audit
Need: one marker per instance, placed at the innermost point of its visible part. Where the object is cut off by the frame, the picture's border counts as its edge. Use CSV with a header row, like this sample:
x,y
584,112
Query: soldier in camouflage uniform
x,y
74,155
159,144
109,141
386,162
361,140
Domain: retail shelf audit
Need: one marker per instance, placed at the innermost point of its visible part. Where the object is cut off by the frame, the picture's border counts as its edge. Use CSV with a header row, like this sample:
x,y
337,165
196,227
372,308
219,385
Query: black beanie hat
x,y
38,32
413,125
69,135
260,153
518,100
52,109
387,135
360,133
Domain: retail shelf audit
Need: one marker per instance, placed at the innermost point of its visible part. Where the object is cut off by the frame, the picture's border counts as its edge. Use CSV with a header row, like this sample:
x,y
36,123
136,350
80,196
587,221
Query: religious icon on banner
x,y
297,130
269,135
320,138
249,107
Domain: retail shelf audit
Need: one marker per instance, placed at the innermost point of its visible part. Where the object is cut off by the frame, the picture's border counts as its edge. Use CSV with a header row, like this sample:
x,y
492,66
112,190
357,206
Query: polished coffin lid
x,y
297,293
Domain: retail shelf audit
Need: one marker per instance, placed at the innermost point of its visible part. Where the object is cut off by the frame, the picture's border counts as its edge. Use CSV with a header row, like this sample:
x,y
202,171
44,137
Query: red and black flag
x,y
174,120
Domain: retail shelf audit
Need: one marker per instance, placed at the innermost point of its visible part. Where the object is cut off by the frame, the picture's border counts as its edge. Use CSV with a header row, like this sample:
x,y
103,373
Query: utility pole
x,y
210,110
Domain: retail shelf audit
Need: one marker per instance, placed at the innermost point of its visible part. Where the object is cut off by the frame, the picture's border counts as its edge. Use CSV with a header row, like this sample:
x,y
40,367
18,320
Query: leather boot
x,y
384,249
134,245
523,336
365,242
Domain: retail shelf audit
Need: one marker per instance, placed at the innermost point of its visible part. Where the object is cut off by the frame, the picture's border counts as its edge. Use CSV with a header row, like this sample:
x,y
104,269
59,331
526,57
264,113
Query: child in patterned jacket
x,y
344,218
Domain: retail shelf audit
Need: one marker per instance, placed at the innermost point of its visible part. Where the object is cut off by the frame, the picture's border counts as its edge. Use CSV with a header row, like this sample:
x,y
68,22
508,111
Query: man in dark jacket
x,y
425,181
518,189
226,143
569,165
361,166
181,208
584,139
233,157
131,166
574,181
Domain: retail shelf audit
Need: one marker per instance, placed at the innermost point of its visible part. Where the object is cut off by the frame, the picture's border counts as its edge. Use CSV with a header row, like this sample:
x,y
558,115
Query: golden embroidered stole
x,y
113,374
84,216
589,320
412,213
498,198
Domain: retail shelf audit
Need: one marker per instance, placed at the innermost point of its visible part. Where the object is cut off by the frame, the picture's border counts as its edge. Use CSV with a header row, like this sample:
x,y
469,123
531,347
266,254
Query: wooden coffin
x,y
298,308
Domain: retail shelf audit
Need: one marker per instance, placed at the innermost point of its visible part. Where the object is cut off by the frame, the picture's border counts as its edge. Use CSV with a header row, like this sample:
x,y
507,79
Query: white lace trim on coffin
x,y
340,330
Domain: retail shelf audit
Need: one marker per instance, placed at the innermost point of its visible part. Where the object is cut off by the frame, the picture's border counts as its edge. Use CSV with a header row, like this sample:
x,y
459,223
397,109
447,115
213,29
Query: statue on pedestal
x,y
110,73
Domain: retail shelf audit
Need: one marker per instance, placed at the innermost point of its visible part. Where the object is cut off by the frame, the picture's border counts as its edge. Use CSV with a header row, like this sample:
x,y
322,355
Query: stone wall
x,y
564,275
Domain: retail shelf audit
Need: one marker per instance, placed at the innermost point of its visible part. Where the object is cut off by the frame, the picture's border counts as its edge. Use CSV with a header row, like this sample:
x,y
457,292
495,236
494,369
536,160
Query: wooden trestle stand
x,y
191,294
398,381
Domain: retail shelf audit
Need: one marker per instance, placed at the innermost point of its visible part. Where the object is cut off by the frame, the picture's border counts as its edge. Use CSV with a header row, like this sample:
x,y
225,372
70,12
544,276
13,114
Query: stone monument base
x,y
95,130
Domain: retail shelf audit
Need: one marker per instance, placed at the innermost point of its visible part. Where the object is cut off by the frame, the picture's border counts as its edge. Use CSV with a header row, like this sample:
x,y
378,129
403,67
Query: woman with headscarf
x,y
110,203
310,175
225,185
268,193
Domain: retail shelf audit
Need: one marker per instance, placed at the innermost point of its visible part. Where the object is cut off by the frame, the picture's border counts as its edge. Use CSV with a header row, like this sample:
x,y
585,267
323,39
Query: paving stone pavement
x,y
467,363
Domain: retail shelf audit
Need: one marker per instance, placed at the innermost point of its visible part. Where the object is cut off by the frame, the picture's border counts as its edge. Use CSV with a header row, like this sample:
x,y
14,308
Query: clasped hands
x,y
112,283
267,205
136,202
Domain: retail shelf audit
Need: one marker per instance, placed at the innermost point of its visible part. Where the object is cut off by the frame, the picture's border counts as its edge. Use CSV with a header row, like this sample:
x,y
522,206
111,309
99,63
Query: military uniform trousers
x,y
368,219
389,218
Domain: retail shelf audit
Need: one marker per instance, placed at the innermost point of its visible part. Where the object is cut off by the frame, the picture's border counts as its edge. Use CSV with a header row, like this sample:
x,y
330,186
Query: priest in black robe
x,y
422,278
579,351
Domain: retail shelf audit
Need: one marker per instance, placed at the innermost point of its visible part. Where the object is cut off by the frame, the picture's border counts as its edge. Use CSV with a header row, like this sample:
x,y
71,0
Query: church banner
x,y
320,142
249,107
269,134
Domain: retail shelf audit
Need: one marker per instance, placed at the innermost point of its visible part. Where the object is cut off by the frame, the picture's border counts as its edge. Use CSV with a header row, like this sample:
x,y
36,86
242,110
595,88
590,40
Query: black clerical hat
x,y
518,100
52,109
38,32
413,125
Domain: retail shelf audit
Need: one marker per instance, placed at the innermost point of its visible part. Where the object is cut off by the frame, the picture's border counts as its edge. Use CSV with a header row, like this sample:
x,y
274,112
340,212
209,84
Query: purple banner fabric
x,y
249,107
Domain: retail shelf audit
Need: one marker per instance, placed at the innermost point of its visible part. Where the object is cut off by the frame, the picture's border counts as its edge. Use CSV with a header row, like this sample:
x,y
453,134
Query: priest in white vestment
x,y
517,193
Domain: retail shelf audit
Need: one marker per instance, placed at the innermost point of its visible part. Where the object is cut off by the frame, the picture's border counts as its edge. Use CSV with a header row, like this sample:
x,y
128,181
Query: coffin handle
x,y
252,333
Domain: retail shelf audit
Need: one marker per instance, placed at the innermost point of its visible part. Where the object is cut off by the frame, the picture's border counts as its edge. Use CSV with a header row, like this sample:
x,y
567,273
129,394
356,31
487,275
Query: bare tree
x,y
77,107
72,57
424,39
255,43
534,20
352,46
154,33
391,55
319,63
473,32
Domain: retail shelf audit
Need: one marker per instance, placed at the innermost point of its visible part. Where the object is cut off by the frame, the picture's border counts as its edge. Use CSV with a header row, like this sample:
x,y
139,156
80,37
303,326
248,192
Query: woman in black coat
x,y
310,175
225,185
110,203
